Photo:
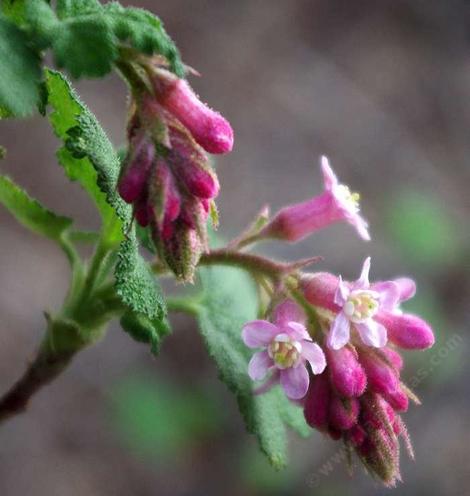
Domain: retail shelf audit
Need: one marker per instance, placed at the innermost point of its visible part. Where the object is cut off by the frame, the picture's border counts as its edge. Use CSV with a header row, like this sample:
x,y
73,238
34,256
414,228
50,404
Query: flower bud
x,y
208,127
392,357
319,289
346,373
407,331
343,412
191,166
317,402
135,173
398,400
381,377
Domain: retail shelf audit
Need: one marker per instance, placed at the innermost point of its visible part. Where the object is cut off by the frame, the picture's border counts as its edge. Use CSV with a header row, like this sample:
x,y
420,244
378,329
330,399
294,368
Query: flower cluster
x,y
166,175
348,380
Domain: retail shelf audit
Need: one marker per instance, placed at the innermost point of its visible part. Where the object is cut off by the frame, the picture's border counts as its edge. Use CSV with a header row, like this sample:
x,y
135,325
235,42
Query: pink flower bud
x,y
165,199
406,330
190,164
356,435
135,174
317,402
381,377
398,400
320,289
343,412
392,357
346,373
208,127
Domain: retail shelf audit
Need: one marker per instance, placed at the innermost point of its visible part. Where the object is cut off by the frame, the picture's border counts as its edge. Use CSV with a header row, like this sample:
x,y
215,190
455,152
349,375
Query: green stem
x,y
184,305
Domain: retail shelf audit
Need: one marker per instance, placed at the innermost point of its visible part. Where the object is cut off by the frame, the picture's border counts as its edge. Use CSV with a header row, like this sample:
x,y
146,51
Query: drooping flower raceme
x,y
337,203
285,349
167,175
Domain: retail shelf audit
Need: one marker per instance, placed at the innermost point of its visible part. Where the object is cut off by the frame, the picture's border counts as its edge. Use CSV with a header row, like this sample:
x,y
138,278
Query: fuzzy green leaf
x,y
85,46
89,158
31,213
72,8
144,32
144,330
20,72
230,301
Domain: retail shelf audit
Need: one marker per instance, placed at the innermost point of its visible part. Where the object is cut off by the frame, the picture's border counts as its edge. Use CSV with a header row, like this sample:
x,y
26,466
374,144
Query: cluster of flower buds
x,y
348,380
166,175
359,396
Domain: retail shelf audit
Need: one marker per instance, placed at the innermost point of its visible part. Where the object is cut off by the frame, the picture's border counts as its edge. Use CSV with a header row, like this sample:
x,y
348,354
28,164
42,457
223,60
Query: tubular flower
x,y
166,174
286,348
335,204
373,310
359,397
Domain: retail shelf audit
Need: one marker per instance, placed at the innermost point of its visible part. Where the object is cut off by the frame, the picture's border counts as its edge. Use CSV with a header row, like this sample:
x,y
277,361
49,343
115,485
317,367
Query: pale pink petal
x,y
342,293
288,311
329,177
372,333
314,354
406,286
268,384
258,333
361,226
389,294
294,381
259,365
339,332
297,331
363,281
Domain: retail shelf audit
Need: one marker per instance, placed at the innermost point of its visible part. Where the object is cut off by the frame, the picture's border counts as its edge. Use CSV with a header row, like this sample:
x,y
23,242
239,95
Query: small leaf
x,y
230,301
31,213
20,73
144,330
85,46
144,32
72,8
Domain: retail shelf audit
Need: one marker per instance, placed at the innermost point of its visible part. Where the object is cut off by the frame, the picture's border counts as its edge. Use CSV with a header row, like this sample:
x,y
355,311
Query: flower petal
x,y
389,294
258,333
372,333
361,226
406,287
315,356
342,293
363,281
268,384
259,365
288,311
294,381
329,177
339,332
297,331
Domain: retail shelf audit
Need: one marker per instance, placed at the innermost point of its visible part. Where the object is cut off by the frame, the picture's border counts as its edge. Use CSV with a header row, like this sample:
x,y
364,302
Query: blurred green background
x,y
383,88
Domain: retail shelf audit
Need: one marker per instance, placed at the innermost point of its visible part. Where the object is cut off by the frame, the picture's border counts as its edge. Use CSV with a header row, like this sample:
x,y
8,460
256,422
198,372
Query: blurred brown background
x,y
383,88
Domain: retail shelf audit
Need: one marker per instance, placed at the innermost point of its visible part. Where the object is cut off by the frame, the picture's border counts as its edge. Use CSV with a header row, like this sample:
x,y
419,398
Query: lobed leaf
x,y
30,212
230,301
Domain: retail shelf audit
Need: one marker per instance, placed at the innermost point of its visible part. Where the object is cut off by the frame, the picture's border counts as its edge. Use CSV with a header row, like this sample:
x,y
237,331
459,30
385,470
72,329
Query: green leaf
x,y
31,213
144,32
20,72
230,301
85,46
72,8
144,330
89,157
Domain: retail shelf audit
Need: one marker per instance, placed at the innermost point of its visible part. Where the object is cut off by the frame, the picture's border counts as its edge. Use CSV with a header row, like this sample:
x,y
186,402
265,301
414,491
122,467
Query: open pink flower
x,y
286,349
358,306
335,204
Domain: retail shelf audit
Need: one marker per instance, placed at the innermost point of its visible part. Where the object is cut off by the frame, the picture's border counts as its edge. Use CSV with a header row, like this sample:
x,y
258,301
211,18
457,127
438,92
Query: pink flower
x,y
335,204
286,349
358,306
